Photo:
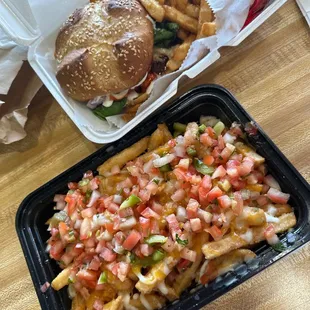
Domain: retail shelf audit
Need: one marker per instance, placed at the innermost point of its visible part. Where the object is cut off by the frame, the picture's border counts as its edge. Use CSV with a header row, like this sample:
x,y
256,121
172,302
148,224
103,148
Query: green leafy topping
x,y
191,151
131,201
103,278
158,255
116,108
202,128
156,181
180,241
165,168
202,168
156,239
83,182
165,34
279,247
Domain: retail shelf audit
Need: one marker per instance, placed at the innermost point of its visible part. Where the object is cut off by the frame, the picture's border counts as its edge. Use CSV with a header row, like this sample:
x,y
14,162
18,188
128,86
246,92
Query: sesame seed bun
x,y
105,47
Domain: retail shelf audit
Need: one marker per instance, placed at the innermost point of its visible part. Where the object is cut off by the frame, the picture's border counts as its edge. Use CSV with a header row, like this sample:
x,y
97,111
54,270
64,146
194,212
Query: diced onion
x,y
159,162
93,198
181,214
118,199
228,138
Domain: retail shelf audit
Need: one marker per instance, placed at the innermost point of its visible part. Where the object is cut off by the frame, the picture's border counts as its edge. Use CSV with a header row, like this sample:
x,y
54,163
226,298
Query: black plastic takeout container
x,y
214,100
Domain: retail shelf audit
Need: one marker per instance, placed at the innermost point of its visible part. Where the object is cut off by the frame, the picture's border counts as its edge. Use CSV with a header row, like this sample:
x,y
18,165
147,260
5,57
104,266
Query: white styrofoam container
x,y
39,29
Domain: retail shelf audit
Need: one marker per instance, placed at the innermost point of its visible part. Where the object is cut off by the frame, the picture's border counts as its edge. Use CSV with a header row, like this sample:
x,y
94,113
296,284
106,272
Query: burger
x,y
106,56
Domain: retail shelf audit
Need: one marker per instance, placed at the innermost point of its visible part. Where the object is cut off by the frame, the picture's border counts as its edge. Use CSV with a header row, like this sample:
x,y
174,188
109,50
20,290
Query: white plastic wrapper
x,y
230,16
14,117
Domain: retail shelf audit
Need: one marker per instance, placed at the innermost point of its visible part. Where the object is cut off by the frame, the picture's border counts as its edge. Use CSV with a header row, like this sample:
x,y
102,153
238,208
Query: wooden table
x,y
270,75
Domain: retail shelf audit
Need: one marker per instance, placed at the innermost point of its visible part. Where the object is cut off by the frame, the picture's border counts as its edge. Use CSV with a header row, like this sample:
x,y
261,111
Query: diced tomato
x,y
141,207
107,255
109,227
132,240
95,263
154,227
237,207
172,143
277,196
101,244
271,182
85,229
150,77
88,212
203,196
123,270
182,174
192,208
206,140
208,160
173,225
210,132
178,195
259,176
221,143
246,166
148,213
269,231
183,264
63,229
262,200
145,226
93,184
71,204
237,183
224,201
195,224
155,171
73,185
206,182
113,207
216,153
88,175
56,249
88,277
188,254
219,172
214,193
215,232
126,212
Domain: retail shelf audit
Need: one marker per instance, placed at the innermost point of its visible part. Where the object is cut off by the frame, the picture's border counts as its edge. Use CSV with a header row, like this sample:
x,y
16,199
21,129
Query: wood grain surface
x,y
270,75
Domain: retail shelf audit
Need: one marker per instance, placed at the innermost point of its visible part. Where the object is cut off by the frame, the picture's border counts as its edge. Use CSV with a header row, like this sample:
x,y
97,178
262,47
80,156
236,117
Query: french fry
x,y
116,304
140,99
159,151
153,300
245,150
192,10
224,263
120,159
205,16
234,241
188,23
105,295
62,279
207,29
185,279
181,5
154,9
182,34
280,209
180,53
161,2
159,137
78,303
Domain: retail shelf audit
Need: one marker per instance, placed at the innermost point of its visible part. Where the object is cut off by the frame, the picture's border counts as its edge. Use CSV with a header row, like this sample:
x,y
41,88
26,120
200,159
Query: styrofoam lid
x,y
18,22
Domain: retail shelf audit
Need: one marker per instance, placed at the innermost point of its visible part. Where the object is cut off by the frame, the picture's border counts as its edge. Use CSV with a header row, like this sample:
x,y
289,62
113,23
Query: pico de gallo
x,y
111,230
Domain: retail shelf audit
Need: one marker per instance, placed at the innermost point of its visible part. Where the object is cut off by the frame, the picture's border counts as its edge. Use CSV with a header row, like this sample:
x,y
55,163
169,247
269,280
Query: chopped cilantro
x,y
180,241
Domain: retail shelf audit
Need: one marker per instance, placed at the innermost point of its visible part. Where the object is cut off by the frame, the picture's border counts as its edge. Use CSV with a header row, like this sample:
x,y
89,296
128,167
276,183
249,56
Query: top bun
x,y
105,47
